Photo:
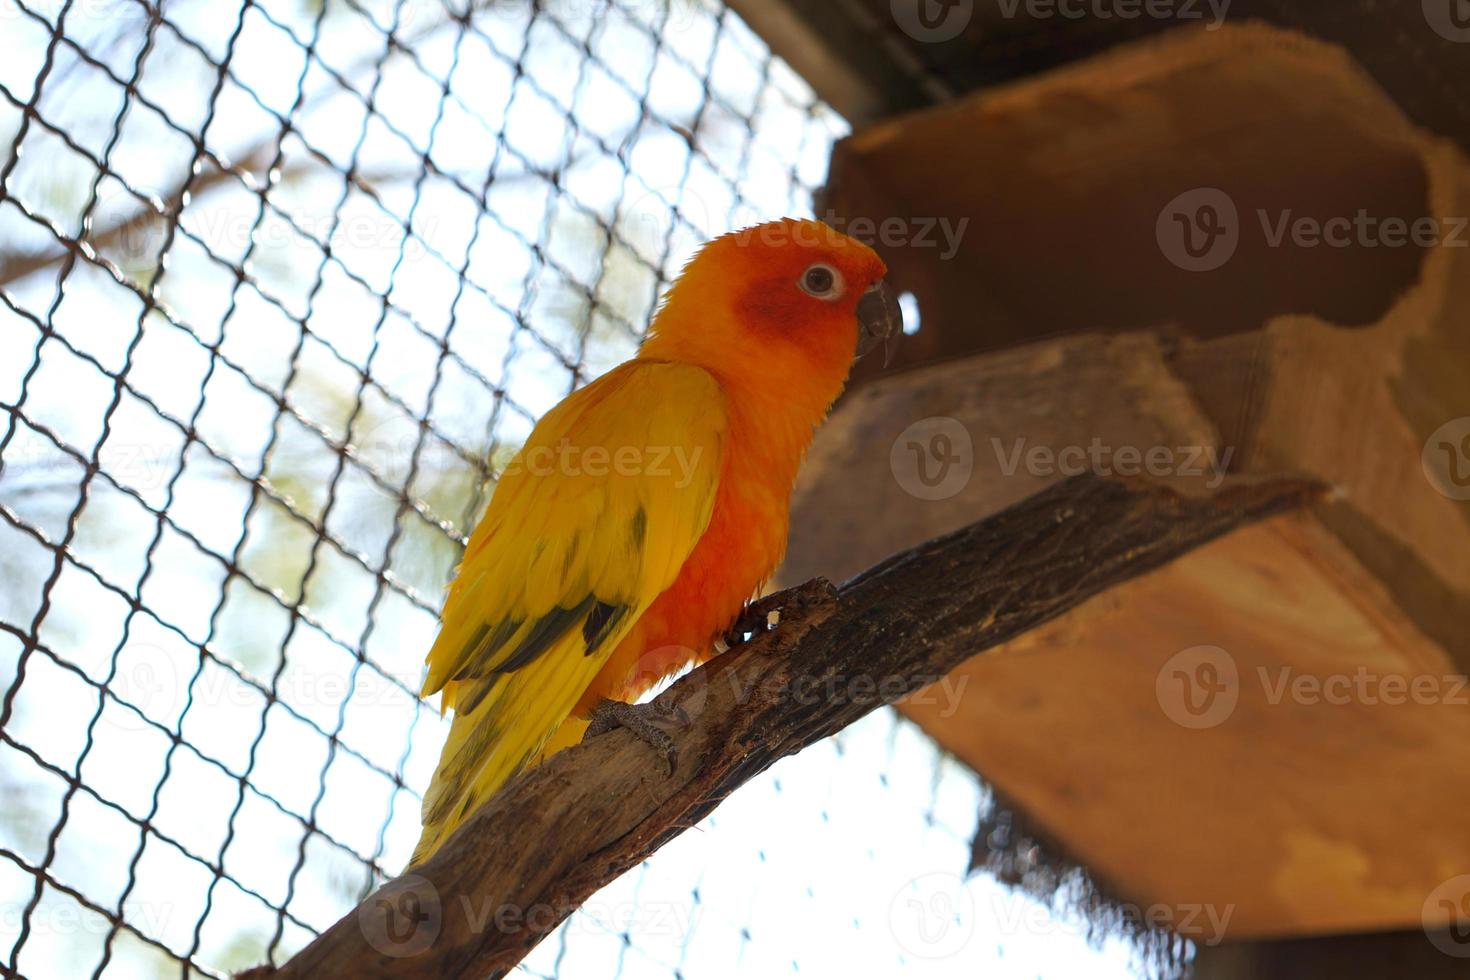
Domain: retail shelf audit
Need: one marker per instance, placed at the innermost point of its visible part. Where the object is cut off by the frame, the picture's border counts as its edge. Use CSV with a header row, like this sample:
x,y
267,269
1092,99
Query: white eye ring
x,y
821,281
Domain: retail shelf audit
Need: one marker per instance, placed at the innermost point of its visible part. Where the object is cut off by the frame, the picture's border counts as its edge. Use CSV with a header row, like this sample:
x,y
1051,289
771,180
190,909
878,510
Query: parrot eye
x,y
821,281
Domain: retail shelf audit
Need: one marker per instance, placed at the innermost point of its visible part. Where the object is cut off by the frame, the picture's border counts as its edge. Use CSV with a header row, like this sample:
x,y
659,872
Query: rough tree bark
x,y
557,833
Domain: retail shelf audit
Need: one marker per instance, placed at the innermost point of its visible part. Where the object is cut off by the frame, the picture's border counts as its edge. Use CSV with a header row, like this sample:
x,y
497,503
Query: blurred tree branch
x,y
554,835
15,265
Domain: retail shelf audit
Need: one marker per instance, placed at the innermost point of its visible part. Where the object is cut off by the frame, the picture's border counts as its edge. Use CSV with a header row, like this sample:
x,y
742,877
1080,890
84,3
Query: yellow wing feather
x,y
589,524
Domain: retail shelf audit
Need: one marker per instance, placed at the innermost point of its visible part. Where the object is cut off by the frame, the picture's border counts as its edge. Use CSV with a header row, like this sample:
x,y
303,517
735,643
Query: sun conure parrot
x,y
648,507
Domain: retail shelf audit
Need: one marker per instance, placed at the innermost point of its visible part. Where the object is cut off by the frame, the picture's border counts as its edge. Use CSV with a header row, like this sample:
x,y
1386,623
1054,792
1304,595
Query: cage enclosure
x,y
1147,654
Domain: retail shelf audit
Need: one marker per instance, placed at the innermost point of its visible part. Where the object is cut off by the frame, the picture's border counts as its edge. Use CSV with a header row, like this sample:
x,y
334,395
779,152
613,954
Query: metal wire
x,y
265,358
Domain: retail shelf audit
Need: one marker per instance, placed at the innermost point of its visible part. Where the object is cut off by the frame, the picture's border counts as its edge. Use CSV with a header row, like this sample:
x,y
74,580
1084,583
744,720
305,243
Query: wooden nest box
x,y
1278,722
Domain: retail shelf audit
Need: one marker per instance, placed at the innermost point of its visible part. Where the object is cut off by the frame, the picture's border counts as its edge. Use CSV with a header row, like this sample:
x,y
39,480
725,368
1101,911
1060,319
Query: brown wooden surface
x,y
1062,179
1282,810
1337,362
1001,43
555,834
1375,956
1303,810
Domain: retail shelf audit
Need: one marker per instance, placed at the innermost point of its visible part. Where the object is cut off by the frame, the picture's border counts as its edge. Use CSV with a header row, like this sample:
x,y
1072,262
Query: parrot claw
x,y
647,723
754,619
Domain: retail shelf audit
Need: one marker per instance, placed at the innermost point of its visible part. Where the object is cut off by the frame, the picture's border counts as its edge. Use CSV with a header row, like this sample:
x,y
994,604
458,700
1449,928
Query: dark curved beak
x,y
879,320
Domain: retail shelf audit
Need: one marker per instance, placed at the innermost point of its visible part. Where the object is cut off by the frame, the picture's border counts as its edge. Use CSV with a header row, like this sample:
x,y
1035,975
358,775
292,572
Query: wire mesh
x,y
286,280
282,283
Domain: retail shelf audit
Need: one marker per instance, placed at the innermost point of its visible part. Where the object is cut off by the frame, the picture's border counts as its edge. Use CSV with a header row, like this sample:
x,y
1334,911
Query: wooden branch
x,y
554,835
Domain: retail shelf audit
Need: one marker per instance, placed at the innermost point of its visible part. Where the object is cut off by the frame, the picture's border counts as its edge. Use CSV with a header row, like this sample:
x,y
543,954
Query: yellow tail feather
x,y
511,728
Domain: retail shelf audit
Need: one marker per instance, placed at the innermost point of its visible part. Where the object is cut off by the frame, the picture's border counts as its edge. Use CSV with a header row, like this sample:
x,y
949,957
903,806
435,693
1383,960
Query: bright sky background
x,y
844,861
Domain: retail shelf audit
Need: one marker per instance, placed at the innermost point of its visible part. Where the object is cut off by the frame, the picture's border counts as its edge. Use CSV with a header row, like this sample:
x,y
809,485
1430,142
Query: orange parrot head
x,y
786,302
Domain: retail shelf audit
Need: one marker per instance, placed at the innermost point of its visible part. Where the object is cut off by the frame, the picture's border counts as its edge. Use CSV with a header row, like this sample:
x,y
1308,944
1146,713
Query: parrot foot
x,y
755,618
647,722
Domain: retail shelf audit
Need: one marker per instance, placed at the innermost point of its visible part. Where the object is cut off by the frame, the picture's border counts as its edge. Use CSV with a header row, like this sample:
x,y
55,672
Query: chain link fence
x,y
282,283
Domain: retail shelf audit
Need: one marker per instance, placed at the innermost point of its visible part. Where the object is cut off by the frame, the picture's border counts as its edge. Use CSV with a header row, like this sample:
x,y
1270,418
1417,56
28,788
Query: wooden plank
x,y
1321,788
1279,812
1063,179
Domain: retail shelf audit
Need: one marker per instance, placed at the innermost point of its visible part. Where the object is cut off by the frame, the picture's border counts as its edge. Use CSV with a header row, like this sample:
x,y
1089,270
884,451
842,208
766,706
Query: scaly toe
x,y
646,723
